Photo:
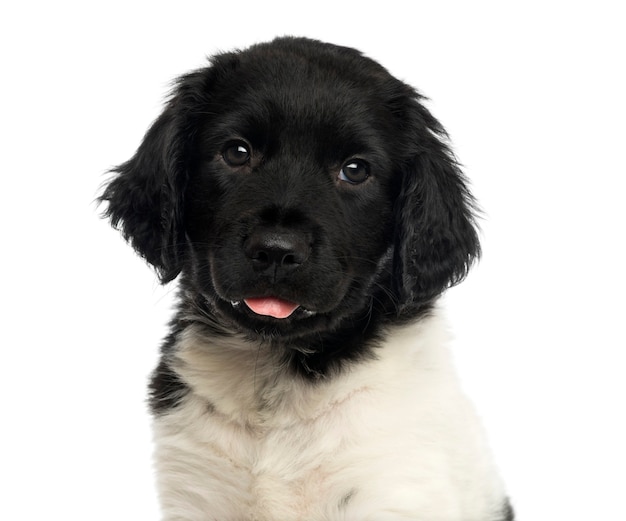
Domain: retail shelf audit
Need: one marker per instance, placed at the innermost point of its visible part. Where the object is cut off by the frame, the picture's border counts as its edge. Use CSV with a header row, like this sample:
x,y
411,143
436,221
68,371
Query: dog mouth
x,y
273,307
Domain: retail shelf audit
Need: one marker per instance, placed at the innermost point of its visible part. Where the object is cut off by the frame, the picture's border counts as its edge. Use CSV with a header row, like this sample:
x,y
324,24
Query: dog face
x,y
303,192
291,198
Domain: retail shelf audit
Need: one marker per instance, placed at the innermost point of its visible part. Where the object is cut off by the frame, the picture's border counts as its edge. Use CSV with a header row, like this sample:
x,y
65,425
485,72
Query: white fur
x,y
388,439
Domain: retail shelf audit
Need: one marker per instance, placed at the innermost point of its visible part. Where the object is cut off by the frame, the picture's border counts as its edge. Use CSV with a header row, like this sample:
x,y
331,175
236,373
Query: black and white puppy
x,y
313,213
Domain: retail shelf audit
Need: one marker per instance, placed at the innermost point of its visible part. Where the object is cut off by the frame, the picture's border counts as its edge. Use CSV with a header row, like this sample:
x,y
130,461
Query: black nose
x,y
269,248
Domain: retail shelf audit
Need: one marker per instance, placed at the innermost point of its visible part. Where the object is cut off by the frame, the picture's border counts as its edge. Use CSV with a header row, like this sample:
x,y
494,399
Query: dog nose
x,y
275,248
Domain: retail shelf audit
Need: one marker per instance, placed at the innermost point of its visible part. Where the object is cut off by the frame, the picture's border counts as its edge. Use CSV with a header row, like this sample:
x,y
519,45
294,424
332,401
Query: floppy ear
x,y
144,198
436,235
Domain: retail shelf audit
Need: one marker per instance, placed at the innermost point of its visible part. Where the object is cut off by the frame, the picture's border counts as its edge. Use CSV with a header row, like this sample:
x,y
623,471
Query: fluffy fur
x,y
313,214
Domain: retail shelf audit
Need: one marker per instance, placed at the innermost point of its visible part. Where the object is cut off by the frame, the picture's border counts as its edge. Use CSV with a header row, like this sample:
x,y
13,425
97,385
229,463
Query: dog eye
x,y
236,154
354,171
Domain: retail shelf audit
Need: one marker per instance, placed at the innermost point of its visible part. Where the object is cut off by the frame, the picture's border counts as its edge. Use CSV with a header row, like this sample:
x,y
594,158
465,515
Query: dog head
x,y
298,187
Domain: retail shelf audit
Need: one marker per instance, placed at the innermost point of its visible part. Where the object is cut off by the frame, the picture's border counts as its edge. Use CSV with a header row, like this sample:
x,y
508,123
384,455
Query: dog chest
x,y
373,442
244,472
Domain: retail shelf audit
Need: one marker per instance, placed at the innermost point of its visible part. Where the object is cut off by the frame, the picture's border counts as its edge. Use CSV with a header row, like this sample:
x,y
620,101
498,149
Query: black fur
x,y
364,256
508,512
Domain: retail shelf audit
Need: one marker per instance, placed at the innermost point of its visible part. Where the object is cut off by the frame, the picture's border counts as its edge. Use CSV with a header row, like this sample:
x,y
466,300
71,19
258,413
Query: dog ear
x,y
436,231
144,198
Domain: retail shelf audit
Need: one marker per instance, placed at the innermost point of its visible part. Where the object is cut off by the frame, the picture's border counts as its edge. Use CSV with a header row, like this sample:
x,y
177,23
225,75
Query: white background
x,y
533,97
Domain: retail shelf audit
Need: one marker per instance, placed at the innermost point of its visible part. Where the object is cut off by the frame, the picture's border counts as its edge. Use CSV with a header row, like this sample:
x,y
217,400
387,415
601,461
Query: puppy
x,y
313,214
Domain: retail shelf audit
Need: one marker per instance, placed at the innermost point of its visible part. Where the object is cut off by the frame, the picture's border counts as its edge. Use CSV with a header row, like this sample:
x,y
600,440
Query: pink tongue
x,y
271,306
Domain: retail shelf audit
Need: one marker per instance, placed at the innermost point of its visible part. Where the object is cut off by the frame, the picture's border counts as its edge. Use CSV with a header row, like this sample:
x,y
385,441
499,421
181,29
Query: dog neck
x,y
251,385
